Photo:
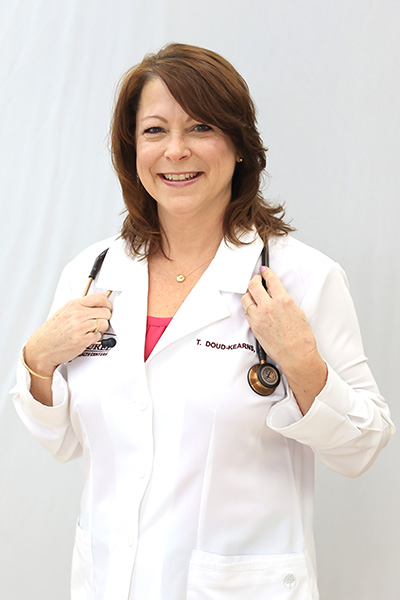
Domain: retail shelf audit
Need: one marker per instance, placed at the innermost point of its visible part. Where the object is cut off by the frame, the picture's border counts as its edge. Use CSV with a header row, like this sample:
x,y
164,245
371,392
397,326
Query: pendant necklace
x,y
181,277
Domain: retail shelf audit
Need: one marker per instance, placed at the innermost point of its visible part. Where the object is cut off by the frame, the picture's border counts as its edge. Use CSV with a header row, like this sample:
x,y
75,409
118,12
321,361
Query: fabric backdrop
x,y
324,75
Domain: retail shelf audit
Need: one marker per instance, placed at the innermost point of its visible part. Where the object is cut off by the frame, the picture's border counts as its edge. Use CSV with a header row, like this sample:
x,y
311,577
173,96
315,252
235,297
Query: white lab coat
x,y
217,479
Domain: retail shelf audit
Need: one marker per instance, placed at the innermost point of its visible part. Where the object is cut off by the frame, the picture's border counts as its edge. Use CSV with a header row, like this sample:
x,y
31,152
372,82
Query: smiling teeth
x,y
180,176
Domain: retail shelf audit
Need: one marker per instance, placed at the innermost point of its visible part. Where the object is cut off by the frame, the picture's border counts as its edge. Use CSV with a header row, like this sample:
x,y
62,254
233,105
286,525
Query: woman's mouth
x,y
181,177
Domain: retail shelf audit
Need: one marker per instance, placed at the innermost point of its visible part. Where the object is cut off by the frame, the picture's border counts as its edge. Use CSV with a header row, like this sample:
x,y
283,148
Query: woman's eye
x,y
153,130
202,127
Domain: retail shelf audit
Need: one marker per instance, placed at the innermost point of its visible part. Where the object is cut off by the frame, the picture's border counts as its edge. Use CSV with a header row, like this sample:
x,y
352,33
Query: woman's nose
x,y
177,147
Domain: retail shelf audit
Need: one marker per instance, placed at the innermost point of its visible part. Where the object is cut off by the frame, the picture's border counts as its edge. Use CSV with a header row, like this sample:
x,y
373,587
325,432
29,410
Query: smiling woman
x,y
198,486
186,166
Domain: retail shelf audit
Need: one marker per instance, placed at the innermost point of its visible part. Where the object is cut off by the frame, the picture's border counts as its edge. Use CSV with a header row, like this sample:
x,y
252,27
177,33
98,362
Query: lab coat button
x,y
140,472
140,404
290,581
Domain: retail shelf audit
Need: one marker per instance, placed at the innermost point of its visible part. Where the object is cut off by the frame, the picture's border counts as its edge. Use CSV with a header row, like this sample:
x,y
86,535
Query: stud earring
x,y
239,160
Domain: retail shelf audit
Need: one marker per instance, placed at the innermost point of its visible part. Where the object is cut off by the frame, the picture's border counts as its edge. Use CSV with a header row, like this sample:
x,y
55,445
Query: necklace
x,y
181,277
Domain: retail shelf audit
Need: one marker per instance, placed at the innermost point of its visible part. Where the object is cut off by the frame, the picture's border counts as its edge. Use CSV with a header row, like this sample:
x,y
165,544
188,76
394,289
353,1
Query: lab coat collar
x,y
231,268
119,270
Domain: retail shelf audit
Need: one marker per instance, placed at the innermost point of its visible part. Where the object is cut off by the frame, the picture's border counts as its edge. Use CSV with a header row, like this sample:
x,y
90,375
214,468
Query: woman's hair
x,y
210,90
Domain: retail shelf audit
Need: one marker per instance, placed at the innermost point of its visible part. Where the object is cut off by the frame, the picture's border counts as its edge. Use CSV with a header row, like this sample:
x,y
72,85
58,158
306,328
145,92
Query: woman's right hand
x,y
67,333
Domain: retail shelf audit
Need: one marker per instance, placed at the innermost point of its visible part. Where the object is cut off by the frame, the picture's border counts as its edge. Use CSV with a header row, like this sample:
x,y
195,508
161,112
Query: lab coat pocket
x,y
82,581
267,577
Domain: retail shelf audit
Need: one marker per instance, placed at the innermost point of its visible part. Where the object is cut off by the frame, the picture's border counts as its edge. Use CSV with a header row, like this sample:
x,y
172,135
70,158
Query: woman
x,y
196,487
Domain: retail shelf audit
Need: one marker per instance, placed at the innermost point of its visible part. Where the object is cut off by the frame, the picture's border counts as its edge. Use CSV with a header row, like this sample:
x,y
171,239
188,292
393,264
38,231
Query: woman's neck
x,y
191,249
186,240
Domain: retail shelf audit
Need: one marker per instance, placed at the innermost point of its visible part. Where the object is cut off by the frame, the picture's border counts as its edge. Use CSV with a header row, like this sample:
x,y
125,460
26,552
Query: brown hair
x,y
210,90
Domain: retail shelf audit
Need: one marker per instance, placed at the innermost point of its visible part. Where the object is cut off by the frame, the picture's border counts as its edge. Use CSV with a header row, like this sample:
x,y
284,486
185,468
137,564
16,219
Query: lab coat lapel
x,y
128,279
230,271
204,305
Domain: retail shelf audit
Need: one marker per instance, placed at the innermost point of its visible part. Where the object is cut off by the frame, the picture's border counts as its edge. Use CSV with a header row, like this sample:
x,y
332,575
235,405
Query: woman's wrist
x,y
307,380
36,366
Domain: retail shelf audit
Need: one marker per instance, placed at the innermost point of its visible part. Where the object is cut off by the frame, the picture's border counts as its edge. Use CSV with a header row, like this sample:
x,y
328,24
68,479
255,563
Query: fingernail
x,y
262,269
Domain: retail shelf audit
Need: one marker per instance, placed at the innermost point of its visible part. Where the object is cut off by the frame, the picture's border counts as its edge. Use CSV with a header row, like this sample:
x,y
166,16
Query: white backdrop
x,y
324,75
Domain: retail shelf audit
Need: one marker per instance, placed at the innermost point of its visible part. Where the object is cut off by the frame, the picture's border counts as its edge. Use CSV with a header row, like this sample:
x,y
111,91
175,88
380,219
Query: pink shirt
x,y
155,328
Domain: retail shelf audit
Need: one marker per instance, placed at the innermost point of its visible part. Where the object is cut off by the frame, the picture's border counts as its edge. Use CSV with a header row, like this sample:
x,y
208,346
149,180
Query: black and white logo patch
x,y
108,342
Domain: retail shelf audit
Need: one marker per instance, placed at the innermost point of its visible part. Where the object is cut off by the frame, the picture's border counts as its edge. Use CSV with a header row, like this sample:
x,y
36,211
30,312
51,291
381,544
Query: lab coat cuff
x,y
326,424
52,416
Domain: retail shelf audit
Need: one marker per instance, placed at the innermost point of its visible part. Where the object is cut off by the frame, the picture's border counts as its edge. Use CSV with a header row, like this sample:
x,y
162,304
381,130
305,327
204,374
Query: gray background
x,y
324,75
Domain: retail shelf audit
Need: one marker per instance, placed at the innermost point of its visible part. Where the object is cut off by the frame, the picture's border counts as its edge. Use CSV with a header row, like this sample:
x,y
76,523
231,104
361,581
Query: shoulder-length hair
x,y
210,90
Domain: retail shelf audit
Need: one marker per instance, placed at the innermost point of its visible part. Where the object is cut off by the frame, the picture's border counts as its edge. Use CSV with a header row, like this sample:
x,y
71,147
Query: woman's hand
x,y
68,332
63,337
283,331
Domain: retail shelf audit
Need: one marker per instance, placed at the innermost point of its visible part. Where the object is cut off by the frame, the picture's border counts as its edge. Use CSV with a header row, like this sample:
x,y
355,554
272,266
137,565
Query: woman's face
x,y
185,165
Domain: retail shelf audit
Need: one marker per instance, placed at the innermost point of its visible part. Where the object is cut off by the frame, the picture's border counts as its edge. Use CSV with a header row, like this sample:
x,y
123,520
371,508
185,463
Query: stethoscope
x,y
263,377
104,342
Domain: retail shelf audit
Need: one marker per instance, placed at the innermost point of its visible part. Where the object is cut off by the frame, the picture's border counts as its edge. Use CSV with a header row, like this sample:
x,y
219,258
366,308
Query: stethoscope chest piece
x,y
263,378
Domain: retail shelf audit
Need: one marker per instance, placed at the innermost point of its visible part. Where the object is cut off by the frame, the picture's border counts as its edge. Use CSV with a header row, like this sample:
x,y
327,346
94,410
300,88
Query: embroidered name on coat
x,y
219,346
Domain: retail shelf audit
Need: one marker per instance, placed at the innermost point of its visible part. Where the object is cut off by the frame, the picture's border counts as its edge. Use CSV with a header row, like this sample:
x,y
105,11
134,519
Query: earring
x,y
239,160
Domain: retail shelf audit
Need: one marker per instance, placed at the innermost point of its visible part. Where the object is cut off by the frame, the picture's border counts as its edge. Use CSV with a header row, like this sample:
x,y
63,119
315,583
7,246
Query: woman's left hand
x,y
283,331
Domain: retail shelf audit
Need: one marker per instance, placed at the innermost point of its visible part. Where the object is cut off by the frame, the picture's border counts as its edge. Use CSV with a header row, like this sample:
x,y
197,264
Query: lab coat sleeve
x,y
50,425
348,422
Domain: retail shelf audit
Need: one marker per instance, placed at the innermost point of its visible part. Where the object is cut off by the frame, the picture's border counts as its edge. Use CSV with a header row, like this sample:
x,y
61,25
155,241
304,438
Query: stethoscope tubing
x,y
264,377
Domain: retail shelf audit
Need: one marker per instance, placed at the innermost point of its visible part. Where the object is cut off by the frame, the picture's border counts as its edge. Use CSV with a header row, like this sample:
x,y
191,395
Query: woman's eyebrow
x,y
154,117
189,118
